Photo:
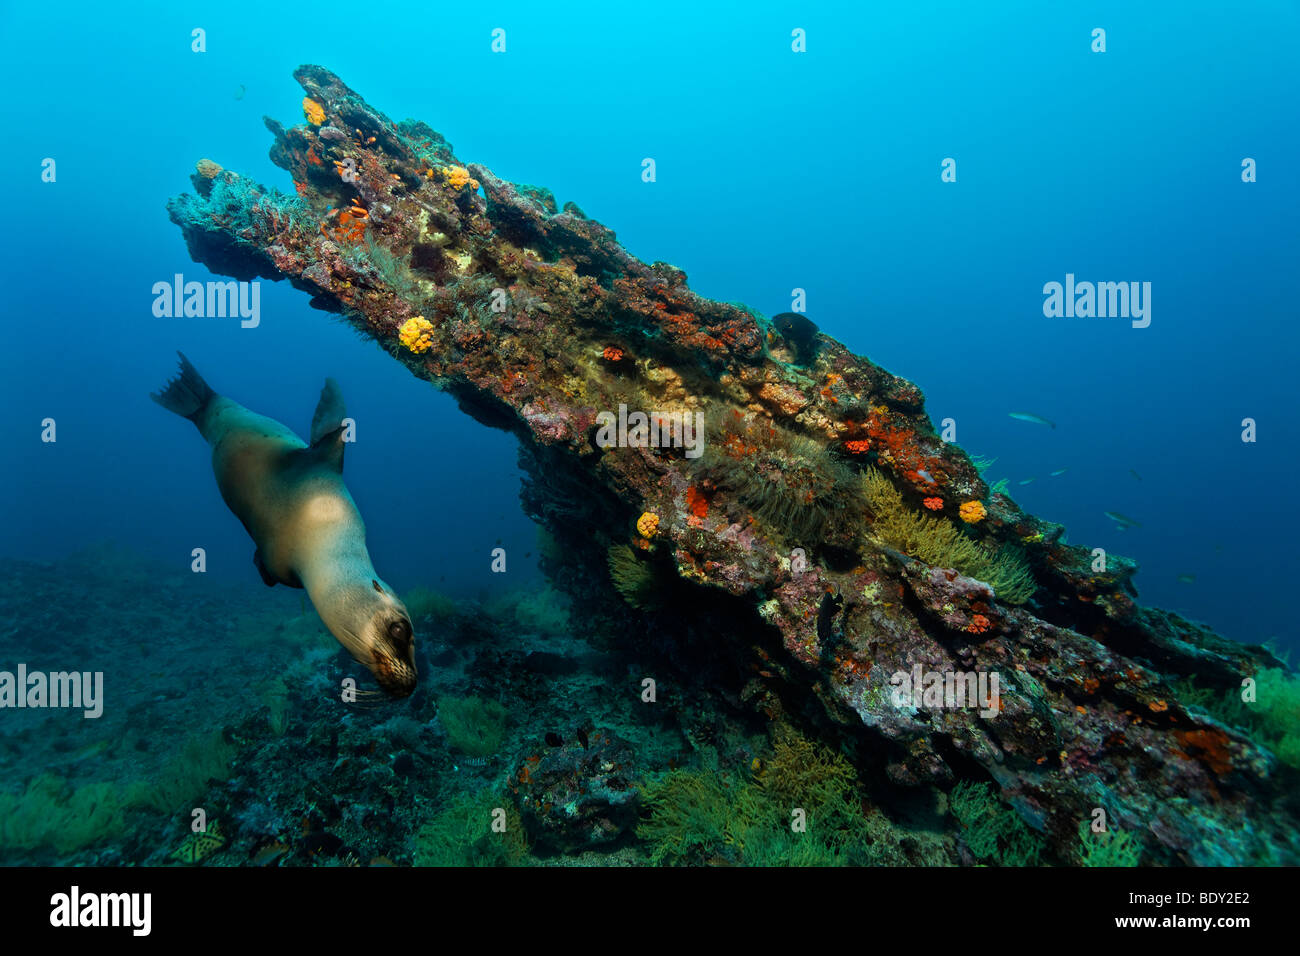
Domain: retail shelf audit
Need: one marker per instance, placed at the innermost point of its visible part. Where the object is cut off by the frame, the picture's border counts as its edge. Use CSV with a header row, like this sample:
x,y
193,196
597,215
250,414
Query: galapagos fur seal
x,y
308,533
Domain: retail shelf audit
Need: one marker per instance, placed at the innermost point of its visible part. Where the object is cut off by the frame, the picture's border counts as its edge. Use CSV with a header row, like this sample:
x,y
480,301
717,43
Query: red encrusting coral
x,y
1209,746
697,502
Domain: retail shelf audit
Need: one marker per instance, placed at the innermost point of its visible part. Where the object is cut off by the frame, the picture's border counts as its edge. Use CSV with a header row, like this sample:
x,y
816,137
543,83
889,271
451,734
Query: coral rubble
x,y
826,541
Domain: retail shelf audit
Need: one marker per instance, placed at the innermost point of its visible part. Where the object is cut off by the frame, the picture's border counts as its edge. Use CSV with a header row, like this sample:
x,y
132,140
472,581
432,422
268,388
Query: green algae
x,y
543,610
475,726
481,829
938,542
690,812
633,578
1272,719
205,757
422,602
1109,848
50,812
993,832
803,807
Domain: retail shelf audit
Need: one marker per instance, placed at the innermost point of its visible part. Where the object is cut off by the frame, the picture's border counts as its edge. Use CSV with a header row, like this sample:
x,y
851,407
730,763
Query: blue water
x,y
775,171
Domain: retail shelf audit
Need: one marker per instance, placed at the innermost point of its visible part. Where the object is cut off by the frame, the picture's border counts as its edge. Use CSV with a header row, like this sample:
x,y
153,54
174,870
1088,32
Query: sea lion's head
x,y
374,626
392,654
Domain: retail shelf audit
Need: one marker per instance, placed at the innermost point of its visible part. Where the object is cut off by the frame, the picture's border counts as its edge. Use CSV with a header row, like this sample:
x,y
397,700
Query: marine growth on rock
x,y
826,519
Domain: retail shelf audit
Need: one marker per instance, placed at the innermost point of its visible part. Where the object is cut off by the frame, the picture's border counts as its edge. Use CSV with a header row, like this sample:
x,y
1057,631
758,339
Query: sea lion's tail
x,y
187,394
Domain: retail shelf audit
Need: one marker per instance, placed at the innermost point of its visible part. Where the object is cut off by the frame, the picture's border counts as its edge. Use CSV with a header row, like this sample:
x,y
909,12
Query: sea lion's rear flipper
x,y
187,395
329,411
267,578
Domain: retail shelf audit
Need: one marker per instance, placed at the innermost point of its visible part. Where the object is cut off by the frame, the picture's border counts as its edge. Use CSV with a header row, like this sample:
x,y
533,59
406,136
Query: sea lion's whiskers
x,y
370,700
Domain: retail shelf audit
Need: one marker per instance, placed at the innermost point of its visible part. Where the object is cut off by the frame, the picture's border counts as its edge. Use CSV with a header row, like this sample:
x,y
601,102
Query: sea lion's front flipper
x,y
329,411
268,579
327,450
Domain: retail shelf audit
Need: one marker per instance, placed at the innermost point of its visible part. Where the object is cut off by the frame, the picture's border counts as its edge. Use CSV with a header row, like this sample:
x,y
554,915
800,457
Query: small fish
x,y
1124,521
553,739
800,332
239,93
1187,578
268,854
1059,471
795,327
1027,481
92,750
1035,419
925,474
1135,474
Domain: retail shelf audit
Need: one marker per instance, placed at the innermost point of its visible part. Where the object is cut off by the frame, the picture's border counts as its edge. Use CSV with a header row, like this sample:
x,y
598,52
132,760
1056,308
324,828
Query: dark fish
x,y
795,327
800,332
1135,474
553,739
239,93
830,606
582,738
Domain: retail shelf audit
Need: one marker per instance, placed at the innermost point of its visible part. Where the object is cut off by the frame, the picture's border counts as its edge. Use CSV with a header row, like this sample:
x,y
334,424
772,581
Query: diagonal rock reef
x,y
821,515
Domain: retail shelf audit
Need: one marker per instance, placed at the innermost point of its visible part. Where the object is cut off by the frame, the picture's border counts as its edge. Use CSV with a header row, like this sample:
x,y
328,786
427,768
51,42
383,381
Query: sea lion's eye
x,y
399,631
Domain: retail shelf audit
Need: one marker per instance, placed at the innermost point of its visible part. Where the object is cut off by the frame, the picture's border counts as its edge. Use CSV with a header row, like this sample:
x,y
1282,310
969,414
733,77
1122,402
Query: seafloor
x,y
226,698
530,741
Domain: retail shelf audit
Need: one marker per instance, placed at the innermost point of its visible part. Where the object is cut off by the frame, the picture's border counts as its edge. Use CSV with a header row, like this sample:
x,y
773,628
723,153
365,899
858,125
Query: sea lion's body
x,y
308,533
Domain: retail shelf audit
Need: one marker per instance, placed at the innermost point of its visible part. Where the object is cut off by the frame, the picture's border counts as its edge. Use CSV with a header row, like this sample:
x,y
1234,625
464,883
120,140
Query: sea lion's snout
x,y
393,654
373,624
